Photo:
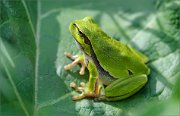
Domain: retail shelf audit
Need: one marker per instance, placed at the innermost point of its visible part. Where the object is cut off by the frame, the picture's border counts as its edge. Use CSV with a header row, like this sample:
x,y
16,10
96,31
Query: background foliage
x,y
34,36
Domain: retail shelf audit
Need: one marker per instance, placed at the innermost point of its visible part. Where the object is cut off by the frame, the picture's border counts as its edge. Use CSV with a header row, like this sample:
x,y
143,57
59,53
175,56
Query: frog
x,y
116,70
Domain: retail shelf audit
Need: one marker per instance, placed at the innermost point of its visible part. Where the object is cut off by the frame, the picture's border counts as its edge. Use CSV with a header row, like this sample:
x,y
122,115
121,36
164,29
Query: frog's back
x,y
117,58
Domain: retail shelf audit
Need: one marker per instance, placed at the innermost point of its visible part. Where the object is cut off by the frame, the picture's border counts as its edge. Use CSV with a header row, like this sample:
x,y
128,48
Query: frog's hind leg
x,y
77,59
123,88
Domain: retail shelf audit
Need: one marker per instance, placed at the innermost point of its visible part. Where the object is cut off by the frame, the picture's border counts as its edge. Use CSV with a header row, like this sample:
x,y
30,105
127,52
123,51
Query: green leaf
x,y
35,35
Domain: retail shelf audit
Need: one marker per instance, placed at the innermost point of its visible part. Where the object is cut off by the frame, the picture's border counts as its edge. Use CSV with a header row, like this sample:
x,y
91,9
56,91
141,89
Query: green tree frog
x,y
116,71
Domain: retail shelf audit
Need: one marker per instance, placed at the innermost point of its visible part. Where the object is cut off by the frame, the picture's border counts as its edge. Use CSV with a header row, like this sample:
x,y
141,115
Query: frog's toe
x,y
82,84
83,67
85,95
81,88
70,56
73,85
77,59
78,97
71,65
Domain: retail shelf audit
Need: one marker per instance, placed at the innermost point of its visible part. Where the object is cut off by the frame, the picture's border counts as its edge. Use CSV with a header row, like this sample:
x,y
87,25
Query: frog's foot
x,y
84,93
77,59
76,88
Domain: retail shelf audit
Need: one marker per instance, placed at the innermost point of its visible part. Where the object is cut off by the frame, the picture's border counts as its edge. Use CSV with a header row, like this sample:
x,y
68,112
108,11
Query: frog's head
x,y
82,31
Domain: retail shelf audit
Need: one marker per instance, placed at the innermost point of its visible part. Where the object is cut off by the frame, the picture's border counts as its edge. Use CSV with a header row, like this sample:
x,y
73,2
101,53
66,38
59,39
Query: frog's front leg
x,y
92,90
123,87
77,59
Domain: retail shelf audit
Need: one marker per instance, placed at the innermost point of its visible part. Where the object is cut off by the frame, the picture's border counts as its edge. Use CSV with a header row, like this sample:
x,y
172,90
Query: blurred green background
x,y
34,36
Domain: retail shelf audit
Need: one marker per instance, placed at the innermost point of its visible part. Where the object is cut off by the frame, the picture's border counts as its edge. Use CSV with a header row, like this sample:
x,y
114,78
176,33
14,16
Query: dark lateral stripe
x,y
99,67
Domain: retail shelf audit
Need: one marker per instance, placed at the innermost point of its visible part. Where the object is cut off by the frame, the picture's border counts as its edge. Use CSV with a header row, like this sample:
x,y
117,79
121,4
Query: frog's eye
x,y
81,34
74,25
86,40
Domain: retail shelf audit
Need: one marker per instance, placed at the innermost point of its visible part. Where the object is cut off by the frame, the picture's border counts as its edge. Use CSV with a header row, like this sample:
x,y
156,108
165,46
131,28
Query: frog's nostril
x,y
74,25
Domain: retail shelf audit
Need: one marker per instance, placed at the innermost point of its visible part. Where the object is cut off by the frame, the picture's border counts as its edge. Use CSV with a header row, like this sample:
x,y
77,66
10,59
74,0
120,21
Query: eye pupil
x,y
81,34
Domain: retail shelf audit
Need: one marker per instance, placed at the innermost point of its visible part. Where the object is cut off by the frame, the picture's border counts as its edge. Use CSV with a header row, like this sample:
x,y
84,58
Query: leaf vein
x,y
14,88
52,102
